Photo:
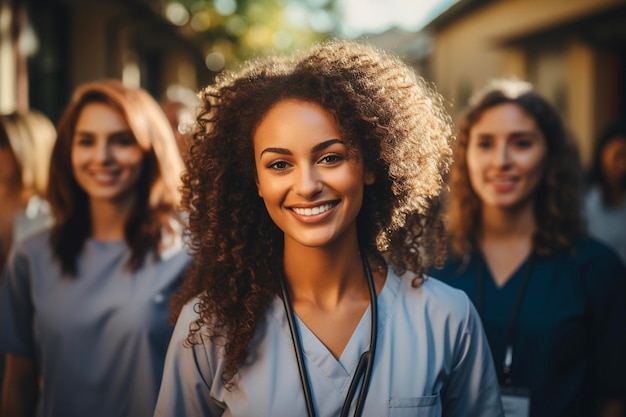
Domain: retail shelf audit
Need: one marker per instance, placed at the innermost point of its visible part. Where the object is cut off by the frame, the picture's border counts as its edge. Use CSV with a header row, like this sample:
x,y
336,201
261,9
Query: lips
x,y
503,184
104,177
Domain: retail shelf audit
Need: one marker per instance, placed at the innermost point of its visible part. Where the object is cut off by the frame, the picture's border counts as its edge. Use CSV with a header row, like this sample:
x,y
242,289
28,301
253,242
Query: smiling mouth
x,y
313,210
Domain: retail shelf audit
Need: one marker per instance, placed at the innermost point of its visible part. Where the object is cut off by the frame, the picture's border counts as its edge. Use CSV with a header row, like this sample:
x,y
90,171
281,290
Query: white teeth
x,y
312,211
103,176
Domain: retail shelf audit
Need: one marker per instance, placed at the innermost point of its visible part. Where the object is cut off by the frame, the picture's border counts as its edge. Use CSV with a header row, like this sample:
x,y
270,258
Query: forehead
x,y
294,120
504,117
100,115
615,144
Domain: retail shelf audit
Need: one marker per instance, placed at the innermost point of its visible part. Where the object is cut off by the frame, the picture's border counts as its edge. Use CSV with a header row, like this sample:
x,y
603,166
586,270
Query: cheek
x,y
131,159
473,167
269,187
536,164
77,158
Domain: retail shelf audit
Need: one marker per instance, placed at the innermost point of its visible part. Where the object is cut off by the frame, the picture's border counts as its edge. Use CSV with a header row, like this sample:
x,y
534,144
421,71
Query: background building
x,y
168,47
573,51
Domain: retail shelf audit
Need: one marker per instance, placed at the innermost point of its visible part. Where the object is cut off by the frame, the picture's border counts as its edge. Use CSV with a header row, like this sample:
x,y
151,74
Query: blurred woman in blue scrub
x,y
552,299
84,307
311,188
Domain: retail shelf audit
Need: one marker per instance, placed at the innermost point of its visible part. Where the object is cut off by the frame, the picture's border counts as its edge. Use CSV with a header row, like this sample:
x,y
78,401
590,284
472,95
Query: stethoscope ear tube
x,y
295,339
366,361
371,353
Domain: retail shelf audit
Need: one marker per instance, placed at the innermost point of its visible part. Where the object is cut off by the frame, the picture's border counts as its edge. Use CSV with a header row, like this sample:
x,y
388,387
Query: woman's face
x,y
106,158
614,161
311,184
506,157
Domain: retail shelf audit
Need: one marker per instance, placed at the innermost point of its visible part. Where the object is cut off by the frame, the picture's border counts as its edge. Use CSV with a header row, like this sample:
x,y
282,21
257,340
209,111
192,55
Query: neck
x,y
508,224
324,276
108,219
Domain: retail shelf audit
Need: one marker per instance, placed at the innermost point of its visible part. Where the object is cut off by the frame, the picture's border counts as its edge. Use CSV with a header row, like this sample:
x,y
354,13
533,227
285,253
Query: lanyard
x,y
366,361
521,291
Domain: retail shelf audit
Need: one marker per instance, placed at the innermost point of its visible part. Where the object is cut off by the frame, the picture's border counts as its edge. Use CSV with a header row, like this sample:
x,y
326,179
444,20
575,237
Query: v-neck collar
x,y
489,278
339,372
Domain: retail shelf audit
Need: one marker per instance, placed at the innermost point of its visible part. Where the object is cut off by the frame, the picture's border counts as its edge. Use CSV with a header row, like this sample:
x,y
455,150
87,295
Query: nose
x,y
503,155
102,152
308,183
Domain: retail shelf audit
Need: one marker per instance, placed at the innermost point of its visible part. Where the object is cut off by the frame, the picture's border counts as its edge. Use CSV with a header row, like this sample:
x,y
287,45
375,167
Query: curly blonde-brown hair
x,y
557,197
379,104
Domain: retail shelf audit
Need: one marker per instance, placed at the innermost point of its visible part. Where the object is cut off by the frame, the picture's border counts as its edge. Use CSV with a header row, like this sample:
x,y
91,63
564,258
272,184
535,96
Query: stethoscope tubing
x,y
366,361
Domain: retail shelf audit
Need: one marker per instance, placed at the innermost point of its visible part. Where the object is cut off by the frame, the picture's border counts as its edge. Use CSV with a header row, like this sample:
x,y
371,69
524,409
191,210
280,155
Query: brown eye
x,y
278,165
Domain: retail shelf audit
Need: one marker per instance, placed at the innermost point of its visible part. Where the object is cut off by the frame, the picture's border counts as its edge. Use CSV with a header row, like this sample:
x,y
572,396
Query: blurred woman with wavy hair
x,y
551,298
85,303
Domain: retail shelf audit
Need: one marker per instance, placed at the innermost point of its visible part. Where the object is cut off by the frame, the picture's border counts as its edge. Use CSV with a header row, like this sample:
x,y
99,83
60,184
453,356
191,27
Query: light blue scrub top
x,y
432,359
99,339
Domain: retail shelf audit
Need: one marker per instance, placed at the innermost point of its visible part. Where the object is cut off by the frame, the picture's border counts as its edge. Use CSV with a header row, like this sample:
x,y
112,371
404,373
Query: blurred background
x,y
573,51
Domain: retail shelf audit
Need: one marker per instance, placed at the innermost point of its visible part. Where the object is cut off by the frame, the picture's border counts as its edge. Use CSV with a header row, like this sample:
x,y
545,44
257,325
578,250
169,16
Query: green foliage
x,y
234,30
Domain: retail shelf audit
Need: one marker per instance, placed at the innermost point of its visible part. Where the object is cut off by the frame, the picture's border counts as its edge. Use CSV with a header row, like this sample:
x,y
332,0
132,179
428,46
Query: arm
x,y
19,390
20,386
187,375
472,389
605,287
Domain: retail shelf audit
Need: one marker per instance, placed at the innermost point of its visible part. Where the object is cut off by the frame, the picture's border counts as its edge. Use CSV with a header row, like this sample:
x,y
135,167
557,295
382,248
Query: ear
x,y
369,177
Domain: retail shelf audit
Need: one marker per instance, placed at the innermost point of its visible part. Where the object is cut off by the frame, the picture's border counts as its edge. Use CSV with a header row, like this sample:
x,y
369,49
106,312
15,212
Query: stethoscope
x,y
366,361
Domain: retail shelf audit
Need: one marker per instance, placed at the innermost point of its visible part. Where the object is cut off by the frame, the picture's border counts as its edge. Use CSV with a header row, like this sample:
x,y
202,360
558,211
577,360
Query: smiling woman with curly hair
x,y
551,298
303,173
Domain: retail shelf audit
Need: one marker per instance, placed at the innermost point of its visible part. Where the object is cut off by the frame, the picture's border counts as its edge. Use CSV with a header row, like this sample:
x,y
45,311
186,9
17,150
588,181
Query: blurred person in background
x,y
605,201
552,299
26,140
181,109
84,304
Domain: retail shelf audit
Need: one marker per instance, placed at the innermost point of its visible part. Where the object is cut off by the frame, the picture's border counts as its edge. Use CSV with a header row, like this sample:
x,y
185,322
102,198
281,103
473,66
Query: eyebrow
x,y
514,135
116,133
316,148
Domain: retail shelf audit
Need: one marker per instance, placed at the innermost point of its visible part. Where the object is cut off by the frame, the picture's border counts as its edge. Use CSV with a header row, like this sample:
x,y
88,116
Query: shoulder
x,y
591,252
454,300
436,299
34,244
34,217
593,196
440,290
189,321
189,312
172,241
594,266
